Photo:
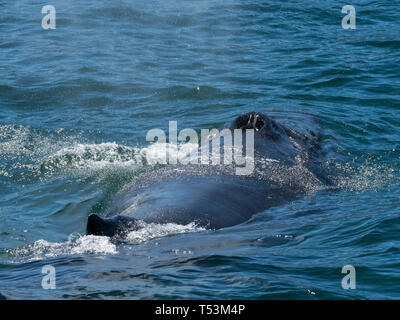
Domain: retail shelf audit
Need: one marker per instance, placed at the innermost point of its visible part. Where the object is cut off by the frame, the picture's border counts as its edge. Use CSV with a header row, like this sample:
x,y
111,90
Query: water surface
x,y
76,104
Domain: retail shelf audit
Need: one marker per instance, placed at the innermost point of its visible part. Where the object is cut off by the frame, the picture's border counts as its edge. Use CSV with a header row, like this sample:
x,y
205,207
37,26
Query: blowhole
x,y
259,124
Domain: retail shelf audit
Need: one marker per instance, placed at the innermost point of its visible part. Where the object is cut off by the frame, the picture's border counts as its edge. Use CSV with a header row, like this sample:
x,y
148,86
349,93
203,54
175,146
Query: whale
x,y
288,164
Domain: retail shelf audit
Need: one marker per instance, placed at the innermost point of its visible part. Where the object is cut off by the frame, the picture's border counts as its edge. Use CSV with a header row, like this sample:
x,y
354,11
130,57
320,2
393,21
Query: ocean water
x,y
76,104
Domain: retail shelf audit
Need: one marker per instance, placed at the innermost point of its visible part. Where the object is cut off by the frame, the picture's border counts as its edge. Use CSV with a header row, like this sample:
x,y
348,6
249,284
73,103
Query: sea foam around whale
x,y
98,245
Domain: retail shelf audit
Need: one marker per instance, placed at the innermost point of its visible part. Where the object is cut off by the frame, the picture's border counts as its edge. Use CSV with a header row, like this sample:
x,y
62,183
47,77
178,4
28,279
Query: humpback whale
x,y
287,166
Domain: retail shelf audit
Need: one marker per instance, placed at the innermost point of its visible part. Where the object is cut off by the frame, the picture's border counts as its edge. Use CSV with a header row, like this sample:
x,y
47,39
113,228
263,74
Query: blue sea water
x,y
76,104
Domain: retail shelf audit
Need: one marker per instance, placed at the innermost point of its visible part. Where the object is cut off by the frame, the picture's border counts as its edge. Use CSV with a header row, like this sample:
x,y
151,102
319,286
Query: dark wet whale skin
x,y
286,168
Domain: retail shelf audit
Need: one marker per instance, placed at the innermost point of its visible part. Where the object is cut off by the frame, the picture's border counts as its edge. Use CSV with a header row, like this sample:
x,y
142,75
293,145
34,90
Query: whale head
x,y
277,140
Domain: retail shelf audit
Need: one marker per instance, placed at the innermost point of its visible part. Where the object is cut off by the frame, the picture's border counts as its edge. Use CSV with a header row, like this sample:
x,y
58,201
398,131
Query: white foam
x,y
86,159
150,231
42,249
90,244
96,155
166,153
81,159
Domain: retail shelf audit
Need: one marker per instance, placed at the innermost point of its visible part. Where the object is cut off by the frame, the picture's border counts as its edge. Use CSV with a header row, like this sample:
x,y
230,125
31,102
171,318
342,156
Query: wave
x,y
30,154
90,244
150,231
42,249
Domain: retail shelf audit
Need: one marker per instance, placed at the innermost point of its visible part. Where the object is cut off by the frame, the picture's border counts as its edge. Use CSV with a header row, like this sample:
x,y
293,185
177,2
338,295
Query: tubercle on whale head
x,y
262,124
116,226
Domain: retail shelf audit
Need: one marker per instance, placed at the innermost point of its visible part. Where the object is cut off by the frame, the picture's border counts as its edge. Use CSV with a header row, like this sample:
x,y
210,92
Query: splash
x,y
366,176
153,230
90,244
42,249
32,154
92,156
